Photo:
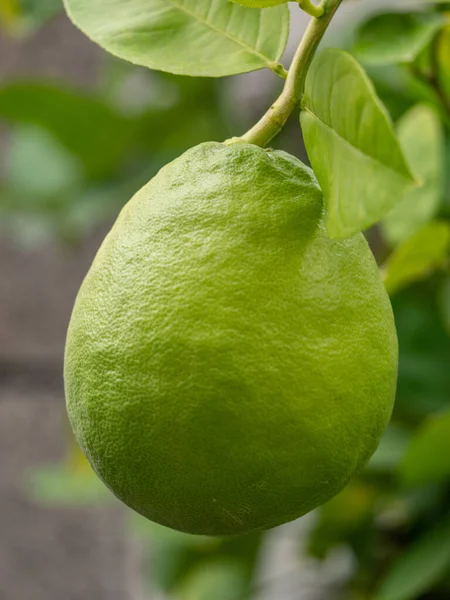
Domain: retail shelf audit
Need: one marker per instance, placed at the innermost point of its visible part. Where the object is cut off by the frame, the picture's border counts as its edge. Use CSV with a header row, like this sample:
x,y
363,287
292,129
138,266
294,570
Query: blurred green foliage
x,y
400,505
74,158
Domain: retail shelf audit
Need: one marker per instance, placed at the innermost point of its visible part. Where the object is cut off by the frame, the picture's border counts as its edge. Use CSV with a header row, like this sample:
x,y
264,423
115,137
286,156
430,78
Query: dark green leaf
x,y
424,376
444,303
158,534
342,518
427,458
84,125
390,451
396,37
35,13
423,565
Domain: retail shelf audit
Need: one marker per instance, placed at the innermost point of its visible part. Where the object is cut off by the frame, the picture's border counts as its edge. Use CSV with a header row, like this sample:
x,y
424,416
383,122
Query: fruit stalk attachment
x,y
310,8
275,118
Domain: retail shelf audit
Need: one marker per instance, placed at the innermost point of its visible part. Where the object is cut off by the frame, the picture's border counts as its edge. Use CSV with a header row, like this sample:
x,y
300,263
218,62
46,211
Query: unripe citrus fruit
x,y
259,3
228,366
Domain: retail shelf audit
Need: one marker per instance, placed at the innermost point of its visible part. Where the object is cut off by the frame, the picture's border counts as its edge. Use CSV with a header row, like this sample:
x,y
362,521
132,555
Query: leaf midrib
x,y
226,34
358,150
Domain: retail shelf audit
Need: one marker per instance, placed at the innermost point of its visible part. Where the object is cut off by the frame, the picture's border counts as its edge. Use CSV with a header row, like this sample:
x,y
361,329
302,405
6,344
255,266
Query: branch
x,y
275,118
311,9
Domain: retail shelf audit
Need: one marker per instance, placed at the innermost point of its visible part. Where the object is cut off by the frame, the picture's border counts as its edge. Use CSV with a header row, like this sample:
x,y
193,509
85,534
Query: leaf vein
x,y
376,160
225,32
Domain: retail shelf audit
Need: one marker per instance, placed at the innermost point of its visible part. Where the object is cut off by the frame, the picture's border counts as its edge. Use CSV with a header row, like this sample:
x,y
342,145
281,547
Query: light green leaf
x,y
420,568
418,257
422,140
427,458
59,486
37,165
209,38
396,37
220,579
9,14
351,145
27,231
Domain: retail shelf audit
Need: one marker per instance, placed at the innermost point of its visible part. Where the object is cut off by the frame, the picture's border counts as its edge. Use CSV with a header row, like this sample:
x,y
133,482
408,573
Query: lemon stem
x,y
310,8
275,118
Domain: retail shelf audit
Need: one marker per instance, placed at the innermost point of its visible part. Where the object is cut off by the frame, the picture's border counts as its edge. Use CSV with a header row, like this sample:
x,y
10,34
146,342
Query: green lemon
x,y
259,3
228,366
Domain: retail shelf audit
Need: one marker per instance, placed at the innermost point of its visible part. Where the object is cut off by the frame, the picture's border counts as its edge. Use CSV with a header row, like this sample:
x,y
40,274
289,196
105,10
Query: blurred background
x,y
80,132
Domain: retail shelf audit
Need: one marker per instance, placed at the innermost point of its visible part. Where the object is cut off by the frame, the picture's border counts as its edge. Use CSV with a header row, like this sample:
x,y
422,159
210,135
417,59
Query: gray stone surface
x,y
48,552
58,51
37,291
51,552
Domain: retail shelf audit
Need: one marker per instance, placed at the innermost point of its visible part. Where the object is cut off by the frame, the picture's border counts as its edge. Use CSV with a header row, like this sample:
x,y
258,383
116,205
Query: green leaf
x,y
37,165
444,303
27,231
443,60
427,458
424,374
351,145
35,14
422,140
219,579
423,565
209,38
342,518
61,486
418,257
158,534
9,14
396,37
391,450
41,10
23,16
85,125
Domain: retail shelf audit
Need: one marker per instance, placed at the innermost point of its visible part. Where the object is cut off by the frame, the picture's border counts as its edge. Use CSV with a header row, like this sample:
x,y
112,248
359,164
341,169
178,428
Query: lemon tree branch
x,y
277,115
